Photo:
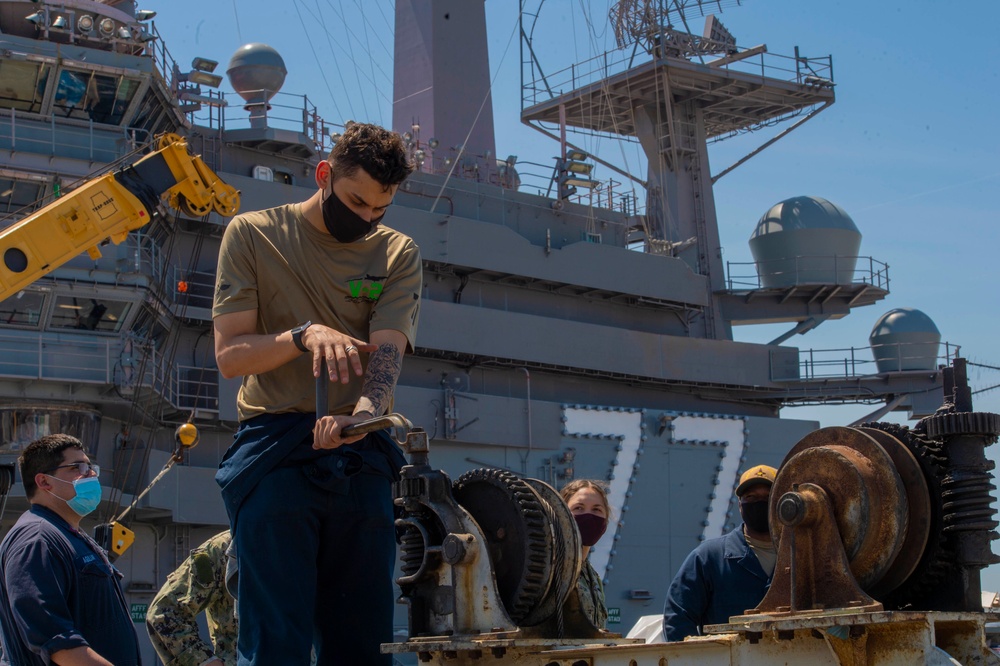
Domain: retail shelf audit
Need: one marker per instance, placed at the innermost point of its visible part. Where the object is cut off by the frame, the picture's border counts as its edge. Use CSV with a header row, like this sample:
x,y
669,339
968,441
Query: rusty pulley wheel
x,y
866,494
918,501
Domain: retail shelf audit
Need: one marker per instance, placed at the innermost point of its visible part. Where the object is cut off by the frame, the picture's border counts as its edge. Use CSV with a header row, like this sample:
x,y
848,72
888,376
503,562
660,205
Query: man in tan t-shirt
x,y
311,510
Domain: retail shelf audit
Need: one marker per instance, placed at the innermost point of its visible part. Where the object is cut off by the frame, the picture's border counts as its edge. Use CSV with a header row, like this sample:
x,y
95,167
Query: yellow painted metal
x,y
87,217
187,435
121,538
199,190
104,210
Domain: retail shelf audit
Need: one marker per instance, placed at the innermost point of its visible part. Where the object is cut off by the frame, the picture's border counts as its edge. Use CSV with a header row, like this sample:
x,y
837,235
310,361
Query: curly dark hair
x,y
44,455
378,151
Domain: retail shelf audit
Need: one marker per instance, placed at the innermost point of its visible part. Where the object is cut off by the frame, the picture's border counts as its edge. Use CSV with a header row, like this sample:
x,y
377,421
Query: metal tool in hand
x,y
363,427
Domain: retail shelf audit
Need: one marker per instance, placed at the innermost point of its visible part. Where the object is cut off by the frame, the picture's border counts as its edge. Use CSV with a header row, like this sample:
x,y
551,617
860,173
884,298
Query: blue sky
x,y
910,150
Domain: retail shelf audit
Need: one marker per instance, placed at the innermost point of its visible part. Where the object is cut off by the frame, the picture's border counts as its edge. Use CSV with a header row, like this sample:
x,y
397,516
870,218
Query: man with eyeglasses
x,y
60,597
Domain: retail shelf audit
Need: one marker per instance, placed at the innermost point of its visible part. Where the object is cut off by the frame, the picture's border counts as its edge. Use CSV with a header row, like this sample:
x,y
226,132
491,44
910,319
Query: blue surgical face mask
x,y
88,494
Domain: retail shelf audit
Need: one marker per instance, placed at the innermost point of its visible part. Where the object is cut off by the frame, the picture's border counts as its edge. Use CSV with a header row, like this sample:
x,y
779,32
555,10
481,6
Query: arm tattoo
x,y
384,366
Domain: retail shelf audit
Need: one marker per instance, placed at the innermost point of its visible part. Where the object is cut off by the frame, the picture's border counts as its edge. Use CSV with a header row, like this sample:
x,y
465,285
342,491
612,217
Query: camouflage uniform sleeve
x,y
220,613
591,592
172,616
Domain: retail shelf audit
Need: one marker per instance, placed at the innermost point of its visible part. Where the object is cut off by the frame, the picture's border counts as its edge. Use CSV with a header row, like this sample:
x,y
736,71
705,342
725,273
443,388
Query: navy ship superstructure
x,y
561,336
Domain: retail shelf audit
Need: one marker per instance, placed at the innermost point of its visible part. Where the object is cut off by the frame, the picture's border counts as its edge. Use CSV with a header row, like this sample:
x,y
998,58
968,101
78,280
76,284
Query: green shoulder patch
x,y
202,571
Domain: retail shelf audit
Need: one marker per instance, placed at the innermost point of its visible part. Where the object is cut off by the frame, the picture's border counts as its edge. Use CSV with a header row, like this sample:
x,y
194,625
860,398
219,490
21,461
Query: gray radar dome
x,y
905,339
805,240
256,72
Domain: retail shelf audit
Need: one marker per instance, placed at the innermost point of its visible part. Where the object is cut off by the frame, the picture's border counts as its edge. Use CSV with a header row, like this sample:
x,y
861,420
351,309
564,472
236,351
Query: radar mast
x,y
693,90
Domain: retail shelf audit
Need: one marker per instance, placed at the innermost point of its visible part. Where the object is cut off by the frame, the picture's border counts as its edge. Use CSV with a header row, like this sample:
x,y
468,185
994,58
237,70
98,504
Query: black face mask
x,y
591,527
343,223
755,515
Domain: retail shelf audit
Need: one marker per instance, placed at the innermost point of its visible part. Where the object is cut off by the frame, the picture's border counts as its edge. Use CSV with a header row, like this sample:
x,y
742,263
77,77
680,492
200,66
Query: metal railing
x,y
189,387
194,289
67,137
282,111
542,88
855,362
83,359
145,256
807,269
165,65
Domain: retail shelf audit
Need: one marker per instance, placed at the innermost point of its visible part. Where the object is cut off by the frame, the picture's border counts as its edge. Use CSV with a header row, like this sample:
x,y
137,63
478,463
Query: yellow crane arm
x,y
107,209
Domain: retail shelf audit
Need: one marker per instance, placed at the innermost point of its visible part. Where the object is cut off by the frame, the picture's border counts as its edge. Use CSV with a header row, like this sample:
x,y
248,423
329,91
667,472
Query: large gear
x,y
938,557
511,517
415,533
567,556
963,423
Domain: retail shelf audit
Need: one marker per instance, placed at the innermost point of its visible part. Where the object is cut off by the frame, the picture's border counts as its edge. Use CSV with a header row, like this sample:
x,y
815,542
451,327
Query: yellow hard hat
x,y
755,475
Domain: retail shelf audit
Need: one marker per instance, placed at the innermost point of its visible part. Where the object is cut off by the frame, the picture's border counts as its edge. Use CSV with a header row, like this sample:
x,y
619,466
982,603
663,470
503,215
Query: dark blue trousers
x,y
316,562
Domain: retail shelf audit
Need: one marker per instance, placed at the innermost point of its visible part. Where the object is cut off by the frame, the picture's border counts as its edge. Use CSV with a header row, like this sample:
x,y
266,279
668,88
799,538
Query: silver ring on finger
x,y
349,348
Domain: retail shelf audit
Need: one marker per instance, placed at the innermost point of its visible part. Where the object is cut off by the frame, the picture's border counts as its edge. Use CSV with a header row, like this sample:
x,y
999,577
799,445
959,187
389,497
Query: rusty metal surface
x,y
866,495
840,617
918,502
509,646
812,572
895,638
963,423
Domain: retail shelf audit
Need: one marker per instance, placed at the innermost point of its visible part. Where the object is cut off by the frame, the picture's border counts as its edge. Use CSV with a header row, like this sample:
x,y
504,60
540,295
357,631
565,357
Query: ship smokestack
x,y
441,86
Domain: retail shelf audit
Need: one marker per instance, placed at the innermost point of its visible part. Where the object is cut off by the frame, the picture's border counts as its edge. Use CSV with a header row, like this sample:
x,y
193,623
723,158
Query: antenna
x,y
651,24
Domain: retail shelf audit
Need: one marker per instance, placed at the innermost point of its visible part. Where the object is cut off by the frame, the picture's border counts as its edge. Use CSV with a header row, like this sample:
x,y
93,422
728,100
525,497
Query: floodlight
x,y
574,181
124,33
818,81
579,167
145,36
574,154
38,18
204,64
144,14
85,23
204,79
107,27
60,23
433,143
